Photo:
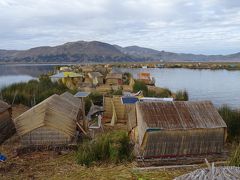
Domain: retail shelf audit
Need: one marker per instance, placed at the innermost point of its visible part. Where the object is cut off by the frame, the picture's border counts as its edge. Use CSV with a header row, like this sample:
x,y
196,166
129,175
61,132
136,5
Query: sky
x,y
187,26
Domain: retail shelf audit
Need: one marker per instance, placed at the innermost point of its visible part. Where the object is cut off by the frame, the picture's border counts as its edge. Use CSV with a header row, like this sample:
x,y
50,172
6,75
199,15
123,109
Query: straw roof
x,y
55,112
218,173
94,74
3,106
69,97
114,76
87,68
180,115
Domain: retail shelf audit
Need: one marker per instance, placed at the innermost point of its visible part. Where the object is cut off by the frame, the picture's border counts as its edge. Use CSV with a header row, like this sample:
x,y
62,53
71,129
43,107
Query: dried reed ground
x,y
49,165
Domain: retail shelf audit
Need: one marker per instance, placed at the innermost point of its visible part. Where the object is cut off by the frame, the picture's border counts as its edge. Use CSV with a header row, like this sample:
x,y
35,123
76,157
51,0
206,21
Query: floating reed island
x,y
109,116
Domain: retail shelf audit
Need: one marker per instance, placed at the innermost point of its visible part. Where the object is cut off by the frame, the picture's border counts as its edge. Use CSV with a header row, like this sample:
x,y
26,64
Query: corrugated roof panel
x,y
187,120
180,115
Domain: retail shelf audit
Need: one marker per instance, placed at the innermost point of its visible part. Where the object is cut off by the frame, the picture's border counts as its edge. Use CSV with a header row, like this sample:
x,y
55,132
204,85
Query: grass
x,y
182,95
126,78
232,119
235,157
32,92
140,86
113,147
162,93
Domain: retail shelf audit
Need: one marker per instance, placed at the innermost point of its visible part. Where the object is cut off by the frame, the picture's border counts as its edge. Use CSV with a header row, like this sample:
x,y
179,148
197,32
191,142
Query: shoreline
x,y
199,65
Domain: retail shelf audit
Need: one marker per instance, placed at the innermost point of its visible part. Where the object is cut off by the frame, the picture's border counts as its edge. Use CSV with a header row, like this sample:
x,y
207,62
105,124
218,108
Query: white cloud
x,y
200,26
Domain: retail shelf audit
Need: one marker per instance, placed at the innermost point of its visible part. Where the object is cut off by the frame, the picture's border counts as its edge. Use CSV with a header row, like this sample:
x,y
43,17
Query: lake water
x,y
219,86
10,74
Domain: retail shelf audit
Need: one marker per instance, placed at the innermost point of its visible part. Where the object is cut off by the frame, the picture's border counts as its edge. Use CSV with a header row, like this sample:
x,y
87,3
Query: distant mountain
x,y
80,51
154,55
94,51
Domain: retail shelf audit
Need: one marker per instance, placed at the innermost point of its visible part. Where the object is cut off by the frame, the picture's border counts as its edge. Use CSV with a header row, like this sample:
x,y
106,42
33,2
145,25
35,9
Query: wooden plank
x,y
80,127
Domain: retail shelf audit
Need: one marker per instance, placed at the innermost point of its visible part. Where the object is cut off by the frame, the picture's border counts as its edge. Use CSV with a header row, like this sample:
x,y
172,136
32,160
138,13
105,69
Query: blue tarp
x,y
129,100
2,158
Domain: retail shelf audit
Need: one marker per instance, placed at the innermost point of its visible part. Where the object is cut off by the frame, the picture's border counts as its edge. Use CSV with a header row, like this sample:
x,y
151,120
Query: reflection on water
x,y
219,86
10,74
22,69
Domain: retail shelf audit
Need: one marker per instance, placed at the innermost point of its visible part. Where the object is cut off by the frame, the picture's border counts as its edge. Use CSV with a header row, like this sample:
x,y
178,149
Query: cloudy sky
x,y
190,26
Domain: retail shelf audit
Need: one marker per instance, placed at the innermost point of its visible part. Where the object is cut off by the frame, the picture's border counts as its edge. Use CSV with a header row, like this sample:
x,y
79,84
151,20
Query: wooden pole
x,y
85,122
82,129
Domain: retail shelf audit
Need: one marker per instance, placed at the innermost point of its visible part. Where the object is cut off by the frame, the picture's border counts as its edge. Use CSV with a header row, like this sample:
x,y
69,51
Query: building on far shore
x,y
114,79
146,78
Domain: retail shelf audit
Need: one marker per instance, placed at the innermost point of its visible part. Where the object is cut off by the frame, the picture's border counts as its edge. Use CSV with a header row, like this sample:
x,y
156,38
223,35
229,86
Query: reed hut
x,y
146,78
7,128
96,77
77,102
70,79
87,69
104,89
51,122
114,79
114,108
176,129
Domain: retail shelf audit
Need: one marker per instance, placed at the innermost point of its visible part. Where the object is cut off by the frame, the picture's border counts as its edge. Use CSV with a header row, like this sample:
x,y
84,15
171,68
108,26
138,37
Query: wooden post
x,y
85,122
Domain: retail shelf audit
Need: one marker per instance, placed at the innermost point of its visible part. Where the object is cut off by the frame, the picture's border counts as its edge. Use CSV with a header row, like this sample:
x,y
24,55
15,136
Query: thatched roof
x,y
180,115
114,76
95,74
218,173
55,112
3,106
7,128
69,97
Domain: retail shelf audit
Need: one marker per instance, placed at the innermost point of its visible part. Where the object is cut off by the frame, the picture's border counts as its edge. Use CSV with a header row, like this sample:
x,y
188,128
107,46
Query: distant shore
x,y
186,64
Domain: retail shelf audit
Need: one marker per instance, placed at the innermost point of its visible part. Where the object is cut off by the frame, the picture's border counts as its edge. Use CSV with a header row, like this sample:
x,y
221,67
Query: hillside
x,y
80,51
94,51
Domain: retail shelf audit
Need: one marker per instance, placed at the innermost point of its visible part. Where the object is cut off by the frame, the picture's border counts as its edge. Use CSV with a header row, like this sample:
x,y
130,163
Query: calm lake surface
x,y
219,86
10,74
